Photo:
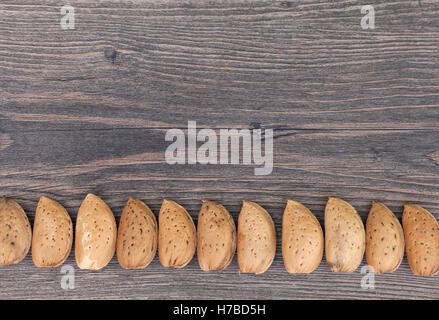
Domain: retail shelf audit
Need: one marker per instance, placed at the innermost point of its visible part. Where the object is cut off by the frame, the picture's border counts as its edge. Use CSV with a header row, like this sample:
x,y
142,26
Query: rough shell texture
x,y
302,239
137,235
256,238
177,235
421,232
345,239
53,234
96,233
384,239
15,232
216,235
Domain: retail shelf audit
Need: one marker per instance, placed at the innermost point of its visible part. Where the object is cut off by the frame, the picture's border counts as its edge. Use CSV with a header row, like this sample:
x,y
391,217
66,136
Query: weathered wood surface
x,y
355,114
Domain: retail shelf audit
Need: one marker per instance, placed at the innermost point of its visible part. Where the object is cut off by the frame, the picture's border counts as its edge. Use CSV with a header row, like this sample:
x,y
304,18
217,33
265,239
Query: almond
x,y
177,235
137,235
384,239
256,239
95,234
345,239
15,232
421,232
302,239
216,234
53,234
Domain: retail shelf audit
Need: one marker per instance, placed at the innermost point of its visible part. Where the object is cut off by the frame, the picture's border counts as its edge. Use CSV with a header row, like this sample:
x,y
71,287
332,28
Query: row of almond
x,y
216,240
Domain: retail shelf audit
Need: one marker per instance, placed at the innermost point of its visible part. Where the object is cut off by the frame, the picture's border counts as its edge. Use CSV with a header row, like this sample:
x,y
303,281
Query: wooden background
x,y
355,114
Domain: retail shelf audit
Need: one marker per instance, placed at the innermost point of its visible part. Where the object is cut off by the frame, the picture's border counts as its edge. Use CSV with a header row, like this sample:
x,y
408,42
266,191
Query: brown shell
x,y
384,239
421,232
177,235
96,234
53,234
216,235
256,239
302,239
15,232
345,238
137,235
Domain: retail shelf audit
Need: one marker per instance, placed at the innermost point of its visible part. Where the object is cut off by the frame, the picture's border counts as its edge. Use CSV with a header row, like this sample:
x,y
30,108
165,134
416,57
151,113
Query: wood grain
x,y
355,114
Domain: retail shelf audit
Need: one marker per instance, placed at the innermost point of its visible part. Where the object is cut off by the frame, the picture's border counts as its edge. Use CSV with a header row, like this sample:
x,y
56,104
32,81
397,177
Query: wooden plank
x,y
355,114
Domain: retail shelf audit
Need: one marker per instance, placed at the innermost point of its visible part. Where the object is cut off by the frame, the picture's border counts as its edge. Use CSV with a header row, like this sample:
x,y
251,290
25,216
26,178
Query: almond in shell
x,y
96,234
384,239
302,239
53,234
177,235
345,238
421,232
256,239
216,237
137,235
15,232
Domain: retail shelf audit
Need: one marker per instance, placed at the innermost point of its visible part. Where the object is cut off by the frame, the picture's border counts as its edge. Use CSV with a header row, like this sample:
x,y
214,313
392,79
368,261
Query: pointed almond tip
x,y
94,198
90,195
337,199
246,204
291,202
44,199
135,201
332,199
412,206
167,202
209,202
8,200
249,203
